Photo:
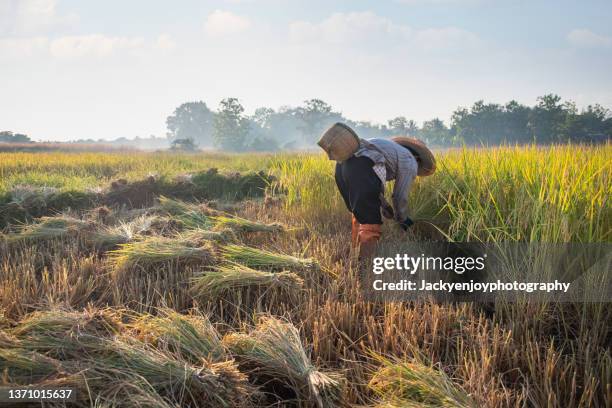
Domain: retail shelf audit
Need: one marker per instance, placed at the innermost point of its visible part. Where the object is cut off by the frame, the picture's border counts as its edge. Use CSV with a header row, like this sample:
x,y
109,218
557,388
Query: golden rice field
x,y
209,301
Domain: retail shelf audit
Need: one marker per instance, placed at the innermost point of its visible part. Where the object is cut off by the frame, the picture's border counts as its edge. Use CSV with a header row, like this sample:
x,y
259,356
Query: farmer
x,y
363,166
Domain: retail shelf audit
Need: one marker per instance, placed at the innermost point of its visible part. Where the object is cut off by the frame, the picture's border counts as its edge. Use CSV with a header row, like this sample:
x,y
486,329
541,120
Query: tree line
x,y
550,120
194,124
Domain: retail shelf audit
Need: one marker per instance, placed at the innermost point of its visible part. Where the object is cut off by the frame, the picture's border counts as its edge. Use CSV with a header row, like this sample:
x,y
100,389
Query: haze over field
x,y
73,70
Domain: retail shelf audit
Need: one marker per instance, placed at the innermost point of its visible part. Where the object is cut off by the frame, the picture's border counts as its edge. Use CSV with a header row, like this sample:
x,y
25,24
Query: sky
x,y
73,69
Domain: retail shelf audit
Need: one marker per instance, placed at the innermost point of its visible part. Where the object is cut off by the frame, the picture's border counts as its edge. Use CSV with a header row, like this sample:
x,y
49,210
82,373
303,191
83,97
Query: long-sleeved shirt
x,y
392,161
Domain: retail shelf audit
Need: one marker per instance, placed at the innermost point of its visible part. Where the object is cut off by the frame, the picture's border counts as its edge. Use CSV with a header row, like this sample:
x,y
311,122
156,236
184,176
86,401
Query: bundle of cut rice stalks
x,y
192,336
262,259
231,281
48,228
239,224
22,366
66,334
416,384
206,384
158,250
273,352
109,237
189,215
200,236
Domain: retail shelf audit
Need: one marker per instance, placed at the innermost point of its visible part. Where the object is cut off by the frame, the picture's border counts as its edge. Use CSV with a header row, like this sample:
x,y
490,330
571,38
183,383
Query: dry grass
x,y
500,355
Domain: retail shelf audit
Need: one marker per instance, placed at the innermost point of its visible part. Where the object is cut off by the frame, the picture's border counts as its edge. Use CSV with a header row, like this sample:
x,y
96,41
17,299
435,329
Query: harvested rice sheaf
x,y
200,236
414,384
273,352
244,225
262,259
49,228
192,336
226,281
216,384
189,215
66,333
157,250
24,366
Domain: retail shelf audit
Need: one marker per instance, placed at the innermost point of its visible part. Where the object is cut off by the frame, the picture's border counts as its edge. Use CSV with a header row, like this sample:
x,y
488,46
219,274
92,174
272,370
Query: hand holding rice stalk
x,y
262,259
273,350
230,279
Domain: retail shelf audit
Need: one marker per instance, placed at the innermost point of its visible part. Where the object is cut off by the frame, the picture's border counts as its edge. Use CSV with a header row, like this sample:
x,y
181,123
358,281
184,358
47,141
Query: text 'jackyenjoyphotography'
x,y
486,272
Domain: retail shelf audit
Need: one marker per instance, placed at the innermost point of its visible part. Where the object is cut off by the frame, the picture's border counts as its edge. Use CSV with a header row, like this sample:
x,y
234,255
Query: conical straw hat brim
x,y
424,156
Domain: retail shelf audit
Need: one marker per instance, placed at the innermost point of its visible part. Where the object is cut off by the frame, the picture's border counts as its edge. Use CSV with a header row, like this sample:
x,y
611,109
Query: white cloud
x,y
348,27
369,30
588,39
29,17
92,45
22,47
222,23
165,42
446,38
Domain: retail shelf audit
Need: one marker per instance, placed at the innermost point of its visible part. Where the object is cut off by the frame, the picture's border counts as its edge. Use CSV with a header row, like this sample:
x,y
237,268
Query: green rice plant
x,y
415,384
262,259
207,384
189,215
229,279
192,336
274,351
244,225
157,250
49,228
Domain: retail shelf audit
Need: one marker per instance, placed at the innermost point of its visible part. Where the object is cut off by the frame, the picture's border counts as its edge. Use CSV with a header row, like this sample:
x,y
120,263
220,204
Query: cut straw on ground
x,y
274,351
229,280
262,259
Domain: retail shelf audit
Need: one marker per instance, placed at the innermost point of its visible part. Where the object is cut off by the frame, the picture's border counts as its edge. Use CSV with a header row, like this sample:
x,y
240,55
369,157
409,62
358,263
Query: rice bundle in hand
x,y
227,281
157,250
262,259
414,384
244,225
49,228
191,336
273,351
189,215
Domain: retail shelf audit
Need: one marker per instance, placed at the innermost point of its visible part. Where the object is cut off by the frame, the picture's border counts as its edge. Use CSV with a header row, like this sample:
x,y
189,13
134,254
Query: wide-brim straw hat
x,y
424,157
339,142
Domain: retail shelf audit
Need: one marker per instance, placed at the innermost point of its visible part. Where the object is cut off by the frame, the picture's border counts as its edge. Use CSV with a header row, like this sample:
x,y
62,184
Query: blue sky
x,y
83,69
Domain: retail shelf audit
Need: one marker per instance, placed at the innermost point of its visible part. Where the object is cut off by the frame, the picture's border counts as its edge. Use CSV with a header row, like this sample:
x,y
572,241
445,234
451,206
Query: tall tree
x,y
316,116
231,127
435,131
191,120
547,119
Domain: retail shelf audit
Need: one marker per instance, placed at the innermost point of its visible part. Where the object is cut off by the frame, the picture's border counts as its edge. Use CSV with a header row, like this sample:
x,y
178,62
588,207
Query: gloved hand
x,y
406,223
